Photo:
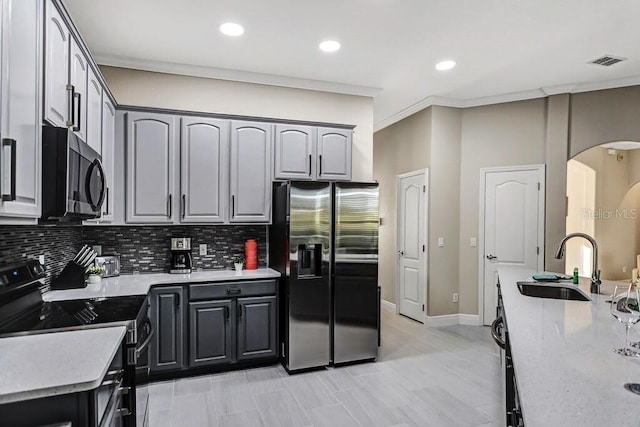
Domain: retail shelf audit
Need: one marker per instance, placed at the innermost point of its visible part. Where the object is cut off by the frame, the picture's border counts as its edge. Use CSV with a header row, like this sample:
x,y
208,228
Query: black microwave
x,y
73,181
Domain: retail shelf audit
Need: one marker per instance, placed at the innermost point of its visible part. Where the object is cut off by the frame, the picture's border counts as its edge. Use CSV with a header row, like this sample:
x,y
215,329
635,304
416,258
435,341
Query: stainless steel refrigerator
x,y
324,241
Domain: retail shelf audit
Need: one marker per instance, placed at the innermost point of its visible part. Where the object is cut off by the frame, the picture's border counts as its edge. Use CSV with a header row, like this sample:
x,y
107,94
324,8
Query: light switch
x,y
440,242
473,242
203,249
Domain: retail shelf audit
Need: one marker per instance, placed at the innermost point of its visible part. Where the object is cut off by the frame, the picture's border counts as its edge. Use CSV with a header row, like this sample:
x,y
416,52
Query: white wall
x,y
149,89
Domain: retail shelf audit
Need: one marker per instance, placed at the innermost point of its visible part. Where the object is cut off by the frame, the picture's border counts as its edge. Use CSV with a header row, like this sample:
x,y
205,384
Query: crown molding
x,y
234,75
508,97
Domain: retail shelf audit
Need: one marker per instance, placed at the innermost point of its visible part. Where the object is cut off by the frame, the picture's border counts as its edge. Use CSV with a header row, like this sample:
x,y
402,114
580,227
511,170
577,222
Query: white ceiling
x,y
518,48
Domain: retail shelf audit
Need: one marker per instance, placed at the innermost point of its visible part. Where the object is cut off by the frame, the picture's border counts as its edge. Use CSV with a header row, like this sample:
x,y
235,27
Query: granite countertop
x,y
567,372
43,365
139,284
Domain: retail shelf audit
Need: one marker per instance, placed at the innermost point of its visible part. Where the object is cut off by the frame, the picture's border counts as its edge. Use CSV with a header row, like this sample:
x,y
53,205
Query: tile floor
x,y
448,376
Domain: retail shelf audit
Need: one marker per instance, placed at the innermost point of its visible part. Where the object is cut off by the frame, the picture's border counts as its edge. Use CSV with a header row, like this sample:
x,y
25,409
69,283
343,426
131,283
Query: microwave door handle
x,y
95,205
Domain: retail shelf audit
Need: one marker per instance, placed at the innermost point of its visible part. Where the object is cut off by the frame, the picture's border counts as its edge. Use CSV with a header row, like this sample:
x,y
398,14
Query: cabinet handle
x,y
11,144
70,110
184,206
240,310
309,164
78,96
233,206
170,202
233,291
107,198
495,334
177,300
320,171
226,312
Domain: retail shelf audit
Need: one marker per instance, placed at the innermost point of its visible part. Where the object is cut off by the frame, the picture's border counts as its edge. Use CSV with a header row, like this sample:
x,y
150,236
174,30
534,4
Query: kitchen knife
x,y
85,257
79,254
90,260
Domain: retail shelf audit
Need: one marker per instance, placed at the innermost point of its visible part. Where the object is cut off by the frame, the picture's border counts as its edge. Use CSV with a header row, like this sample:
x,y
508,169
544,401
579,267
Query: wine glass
x,y
624,307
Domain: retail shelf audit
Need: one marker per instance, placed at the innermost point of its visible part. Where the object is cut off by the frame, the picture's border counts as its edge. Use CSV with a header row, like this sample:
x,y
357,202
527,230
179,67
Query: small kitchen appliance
x,y
181,261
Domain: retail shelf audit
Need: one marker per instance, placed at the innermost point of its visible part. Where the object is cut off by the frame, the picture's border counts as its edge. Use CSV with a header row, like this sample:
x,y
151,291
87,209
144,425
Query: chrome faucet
x,y
595,273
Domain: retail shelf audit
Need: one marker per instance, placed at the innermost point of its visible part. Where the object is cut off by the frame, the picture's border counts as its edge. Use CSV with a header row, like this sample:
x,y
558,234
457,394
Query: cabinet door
x,y
257,327
211,332
94,112
294,153
204,168
250,172
150,168
21,118
56,72
167,316
78,78
334,154
108,153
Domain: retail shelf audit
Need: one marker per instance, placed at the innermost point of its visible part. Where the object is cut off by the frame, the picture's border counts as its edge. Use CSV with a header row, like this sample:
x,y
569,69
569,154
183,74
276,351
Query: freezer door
x,y
355,316
309,291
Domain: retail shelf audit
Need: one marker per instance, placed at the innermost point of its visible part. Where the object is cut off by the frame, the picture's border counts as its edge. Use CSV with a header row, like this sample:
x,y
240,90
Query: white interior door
x,y
581,200
412,211
513,225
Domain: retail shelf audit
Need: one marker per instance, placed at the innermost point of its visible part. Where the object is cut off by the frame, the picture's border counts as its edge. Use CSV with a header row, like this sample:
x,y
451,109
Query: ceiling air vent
x,y
607,60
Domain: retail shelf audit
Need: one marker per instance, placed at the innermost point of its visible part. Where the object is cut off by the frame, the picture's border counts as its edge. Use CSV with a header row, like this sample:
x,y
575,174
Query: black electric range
x,y
23,312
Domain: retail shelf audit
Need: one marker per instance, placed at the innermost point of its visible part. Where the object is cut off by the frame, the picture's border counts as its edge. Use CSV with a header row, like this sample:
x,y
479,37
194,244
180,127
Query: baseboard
x,y
388,305
453,319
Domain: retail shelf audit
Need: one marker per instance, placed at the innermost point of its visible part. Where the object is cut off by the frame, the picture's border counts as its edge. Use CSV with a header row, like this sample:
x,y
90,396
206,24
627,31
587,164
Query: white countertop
x,y
139,284
567,372
43,365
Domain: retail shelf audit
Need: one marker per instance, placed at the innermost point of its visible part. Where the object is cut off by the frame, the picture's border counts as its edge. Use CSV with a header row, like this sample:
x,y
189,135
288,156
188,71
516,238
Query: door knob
x,y
401,253
491,256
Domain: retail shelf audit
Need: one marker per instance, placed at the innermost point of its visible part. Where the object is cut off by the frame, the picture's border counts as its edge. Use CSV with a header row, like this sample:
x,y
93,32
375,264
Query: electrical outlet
x,y
98,249
441,242
624,269
203,249
41,259
473,242
455,297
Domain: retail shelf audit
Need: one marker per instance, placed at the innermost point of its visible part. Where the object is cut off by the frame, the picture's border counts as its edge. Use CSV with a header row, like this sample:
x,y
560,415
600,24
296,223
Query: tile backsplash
x,y
57,243
143,249
146,249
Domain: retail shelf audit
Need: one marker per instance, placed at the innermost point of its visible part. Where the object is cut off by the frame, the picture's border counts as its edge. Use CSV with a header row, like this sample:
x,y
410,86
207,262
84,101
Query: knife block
x,y
71,277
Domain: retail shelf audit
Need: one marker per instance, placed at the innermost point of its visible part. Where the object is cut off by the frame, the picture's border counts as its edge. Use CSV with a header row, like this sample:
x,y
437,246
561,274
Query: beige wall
x,y
444,205
604,116
399,148
149,89
496,135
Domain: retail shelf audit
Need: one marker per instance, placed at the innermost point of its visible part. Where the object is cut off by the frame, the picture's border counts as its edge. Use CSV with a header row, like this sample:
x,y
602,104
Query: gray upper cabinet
x,y
21,112
294,151
94,112
56,74
78,78
166,351
204,170
108,153
150,167
211,332
250,187
334,154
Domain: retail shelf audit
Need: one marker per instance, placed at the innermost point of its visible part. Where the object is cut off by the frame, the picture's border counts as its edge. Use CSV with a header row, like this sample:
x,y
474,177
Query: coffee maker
x,y
181,261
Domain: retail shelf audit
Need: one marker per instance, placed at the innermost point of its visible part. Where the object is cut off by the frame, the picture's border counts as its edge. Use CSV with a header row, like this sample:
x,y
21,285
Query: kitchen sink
x,y
552,290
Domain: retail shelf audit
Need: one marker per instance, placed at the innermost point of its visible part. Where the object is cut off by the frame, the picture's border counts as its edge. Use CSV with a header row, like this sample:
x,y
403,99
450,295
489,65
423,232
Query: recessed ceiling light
x,y
445,65
329,46
232,29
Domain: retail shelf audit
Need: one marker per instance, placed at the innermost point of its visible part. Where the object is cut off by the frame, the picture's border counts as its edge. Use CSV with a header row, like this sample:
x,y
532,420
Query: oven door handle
x,y
145,343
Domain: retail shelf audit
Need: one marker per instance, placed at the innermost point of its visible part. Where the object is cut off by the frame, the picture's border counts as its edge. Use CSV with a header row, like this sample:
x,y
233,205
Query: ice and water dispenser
x,y
309,260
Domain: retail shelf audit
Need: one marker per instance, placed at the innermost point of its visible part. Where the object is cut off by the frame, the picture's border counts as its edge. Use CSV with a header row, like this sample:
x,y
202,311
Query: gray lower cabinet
x,y
167,316
334,154
211,332
150,167
257,328
250,172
